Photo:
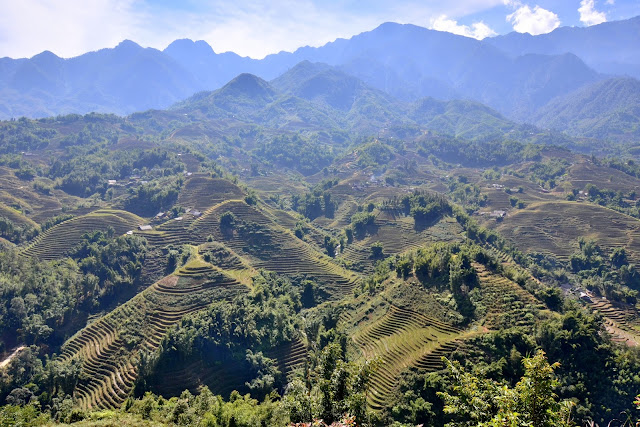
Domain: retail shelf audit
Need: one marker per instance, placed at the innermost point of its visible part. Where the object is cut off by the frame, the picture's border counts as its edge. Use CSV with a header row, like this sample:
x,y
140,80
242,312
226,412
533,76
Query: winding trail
x,y
6,361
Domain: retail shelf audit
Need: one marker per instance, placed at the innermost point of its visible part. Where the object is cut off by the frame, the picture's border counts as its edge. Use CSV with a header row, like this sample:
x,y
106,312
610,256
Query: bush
x,y
360,221
376,250
227,221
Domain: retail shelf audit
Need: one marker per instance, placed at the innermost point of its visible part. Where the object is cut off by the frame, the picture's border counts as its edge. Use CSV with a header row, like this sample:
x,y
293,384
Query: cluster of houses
x,y
497,214
134,180
165,216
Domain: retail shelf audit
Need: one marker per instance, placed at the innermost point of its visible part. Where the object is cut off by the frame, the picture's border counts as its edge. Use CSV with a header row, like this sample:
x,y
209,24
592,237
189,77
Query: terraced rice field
x,y
586,172
403,339
621,321
272,247
227,375
554,228
18,193
398,235
15,216
60,239
110,347
196,269
266,245
201,192
507,303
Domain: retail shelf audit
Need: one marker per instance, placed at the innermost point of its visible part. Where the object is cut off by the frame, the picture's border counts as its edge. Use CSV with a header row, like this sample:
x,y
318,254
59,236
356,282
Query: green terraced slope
x,y
403,339
110,348
60,239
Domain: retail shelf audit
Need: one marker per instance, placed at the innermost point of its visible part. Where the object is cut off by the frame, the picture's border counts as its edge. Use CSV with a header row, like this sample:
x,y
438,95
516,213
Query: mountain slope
x,y
465,119
121,80
315,96
212,70
601,110
405,61
611,47
410,62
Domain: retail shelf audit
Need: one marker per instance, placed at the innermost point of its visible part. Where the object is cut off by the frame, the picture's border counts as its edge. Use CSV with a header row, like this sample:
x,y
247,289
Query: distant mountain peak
x,y
127,46
190,47
46,55
249,85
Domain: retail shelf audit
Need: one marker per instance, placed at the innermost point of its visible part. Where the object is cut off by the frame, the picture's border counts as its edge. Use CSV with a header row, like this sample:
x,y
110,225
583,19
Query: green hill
x,y
609,109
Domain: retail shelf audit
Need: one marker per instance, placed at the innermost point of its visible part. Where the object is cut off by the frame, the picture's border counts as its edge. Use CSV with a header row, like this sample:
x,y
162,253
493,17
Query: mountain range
x,y
316,97
524,78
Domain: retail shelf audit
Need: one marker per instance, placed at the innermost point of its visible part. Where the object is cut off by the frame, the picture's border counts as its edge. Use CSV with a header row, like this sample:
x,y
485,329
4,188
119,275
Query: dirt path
x,y
6,361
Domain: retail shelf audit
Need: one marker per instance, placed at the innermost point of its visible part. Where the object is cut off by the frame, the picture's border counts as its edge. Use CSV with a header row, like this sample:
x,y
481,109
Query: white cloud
x,y
477,30
67,27
589,15
533,21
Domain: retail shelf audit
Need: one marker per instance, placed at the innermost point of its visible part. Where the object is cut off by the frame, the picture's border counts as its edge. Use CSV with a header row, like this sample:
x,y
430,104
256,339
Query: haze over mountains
x,y
524,78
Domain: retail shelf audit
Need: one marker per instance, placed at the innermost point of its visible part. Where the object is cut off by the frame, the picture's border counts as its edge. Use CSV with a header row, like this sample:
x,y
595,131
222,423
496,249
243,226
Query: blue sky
x,y
259,27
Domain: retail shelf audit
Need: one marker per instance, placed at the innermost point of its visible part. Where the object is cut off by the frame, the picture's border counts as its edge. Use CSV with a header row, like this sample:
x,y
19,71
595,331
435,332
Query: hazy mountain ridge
x,y
121,80
601,110
318,96
610,47
517,75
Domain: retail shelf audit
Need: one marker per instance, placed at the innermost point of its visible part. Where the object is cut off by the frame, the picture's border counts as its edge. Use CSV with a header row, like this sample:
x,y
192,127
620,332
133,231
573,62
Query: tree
x,y
336,388
474,401
376,250
619,257
227,221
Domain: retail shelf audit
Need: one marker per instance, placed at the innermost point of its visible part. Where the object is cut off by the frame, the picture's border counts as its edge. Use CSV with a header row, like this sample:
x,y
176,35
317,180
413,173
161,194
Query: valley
x,y
306,242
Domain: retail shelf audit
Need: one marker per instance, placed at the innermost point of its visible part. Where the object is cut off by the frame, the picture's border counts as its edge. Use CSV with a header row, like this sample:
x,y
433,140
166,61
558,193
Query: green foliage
x,y
87,170
609,276
477,153
150,198
111,265
258,322
546,173
203,409
376,250
475,401
317,202
39,298
361,221
330,246
251,199
374,153
24,135
227,221
295,152
337,388
23,416
16,233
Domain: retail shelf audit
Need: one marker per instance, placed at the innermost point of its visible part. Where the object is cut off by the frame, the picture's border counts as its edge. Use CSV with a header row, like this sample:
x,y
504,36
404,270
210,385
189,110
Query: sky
x,y
257,28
